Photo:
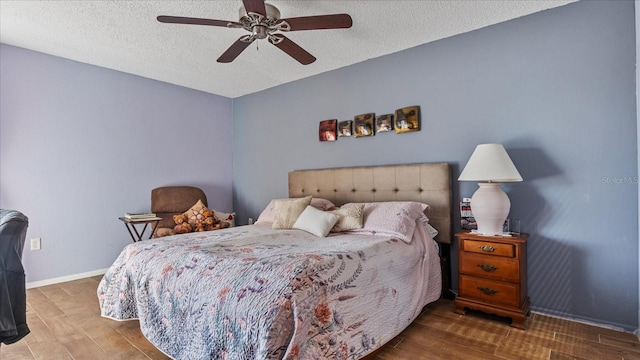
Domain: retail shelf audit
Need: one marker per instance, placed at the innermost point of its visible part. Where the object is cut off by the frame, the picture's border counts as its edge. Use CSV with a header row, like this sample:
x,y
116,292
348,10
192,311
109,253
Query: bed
x,y
254,292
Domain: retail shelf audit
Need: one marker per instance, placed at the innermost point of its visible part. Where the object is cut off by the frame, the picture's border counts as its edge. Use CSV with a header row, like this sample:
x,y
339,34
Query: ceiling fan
x,y
263,21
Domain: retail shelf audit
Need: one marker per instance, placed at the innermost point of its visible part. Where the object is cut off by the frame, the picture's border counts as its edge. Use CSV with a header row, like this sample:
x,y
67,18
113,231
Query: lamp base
x,y
490,207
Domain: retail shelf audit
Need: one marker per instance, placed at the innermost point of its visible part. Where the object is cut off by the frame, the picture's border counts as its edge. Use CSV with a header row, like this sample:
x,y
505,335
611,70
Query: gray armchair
x,y
13,296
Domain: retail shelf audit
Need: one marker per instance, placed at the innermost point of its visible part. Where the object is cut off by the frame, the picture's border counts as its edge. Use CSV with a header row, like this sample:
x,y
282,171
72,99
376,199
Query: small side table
x,y
130,224
493,275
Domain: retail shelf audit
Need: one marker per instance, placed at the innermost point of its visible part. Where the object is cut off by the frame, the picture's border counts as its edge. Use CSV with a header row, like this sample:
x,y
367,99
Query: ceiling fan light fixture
x,y
260,31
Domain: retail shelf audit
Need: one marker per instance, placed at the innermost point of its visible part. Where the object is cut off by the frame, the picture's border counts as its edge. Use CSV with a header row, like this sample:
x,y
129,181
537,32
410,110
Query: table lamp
x,y
490,165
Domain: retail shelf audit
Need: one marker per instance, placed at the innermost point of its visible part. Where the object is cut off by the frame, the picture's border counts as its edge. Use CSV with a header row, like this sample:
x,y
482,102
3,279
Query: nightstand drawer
x,y
495,292
490,266
489,248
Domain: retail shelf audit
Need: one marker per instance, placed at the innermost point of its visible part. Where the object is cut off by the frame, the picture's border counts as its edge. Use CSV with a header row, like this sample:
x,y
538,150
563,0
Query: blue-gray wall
x,y
556,88
80,145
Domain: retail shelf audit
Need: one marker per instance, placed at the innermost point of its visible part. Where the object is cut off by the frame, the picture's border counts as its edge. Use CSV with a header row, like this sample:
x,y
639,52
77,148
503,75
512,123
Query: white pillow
x,y
316,222
229,218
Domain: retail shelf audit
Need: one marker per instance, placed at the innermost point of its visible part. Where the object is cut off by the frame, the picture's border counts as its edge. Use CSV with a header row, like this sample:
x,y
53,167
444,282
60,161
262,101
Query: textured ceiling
x,y
125,36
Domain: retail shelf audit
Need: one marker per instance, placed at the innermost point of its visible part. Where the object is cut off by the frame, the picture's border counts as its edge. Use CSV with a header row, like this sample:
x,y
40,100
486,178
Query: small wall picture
x,y
384,123
327,130
345,128
363,125
407,119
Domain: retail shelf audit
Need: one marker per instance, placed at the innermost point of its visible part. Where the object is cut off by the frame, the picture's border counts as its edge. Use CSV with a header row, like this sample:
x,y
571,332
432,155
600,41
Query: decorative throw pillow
x,y
287,212
316,222
194,214
322,204
269,213
392,218
350,217
229,218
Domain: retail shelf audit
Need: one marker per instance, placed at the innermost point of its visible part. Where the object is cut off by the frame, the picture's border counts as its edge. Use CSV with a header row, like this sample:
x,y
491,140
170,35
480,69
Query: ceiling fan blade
x,y
294,50
196,21
336,21
235,49
255,6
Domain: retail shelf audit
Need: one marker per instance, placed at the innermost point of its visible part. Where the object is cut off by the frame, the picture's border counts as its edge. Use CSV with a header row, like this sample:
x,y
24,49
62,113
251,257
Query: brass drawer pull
x,y
487,290
487,248
487,267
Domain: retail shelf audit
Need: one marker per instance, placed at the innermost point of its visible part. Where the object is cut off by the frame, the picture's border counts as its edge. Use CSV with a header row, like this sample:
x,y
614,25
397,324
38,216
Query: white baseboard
x,y
585,321
65,278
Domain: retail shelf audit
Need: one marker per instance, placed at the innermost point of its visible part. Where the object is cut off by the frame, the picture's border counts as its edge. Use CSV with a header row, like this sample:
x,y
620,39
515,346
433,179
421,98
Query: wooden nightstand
x,y
493,275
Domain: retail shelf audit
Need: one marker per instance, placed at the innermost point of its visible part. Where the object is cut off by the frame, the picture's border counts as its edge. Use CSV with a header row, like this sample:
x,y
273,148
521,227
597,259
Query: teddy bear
x,y
222,224
199,227
182,225
209,223
213,223
196,219
206,213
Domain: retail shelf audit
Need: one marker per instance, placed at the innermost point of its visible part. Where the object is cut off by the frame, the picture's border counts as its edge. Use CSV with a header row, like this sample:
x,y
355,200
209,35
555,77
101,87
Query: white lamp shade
x,y
490,162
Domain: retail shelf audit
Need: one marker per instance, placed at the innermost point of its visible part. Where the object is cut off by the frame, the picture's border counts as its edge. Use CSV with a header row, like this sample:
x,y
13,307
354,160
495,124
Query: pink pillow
x,y
268,215
322,204
391,218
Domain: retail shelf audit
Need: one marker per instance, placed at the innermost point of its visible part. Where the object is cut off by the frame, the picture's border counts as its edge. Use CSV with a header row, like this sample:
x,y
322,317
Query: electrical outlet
x,y
35,243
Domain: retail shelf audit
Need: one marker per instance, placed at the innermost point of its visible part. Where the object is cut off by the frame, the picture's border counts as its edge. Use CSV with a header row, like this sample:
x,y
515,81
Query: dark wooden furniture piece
x,y
493,275
131,225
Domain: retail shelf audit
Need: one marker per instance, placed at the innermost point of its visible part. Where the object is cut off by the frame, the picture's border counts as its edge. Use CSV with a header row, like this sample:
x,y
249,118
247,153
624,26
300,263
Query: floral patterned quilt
x,y
251,292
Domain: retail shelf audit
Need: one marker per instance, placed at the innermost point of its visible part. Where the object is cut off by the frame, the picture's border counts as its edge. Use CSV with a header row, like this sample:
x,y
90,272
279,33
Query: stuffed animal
x,y
198,220
223,224
182,226
209,223
179,219
206,213
199,227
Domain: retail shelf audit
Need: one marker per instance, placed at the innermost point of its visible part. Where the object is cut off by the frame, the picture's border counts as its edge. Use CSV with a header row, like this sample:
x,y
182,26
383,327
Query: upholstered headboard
x,y
429,183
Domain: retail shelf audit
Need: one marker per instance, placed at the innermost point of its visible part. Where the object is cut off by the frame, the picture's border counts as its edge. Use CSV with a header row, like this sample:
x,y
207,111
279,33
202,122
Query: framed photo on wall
x,y
327,130
407,119
384,123
363,125
345,128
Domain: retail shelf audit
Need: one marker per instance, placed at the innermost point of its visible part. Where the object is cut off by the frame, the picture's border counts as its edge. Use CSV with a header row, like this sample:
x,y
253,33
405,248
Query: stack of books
x,y
139,216
467,221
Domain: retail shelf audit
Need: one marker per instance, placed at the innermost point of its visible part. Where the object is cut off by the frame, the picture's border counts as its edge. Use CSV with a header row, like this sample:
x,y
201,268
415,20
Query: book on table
x,y
139,216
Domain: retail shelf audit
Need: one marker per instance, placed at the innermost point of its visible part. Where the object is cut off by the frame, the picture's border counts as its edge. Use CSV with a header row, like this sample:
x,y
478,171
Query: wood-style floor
x,y
65,323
